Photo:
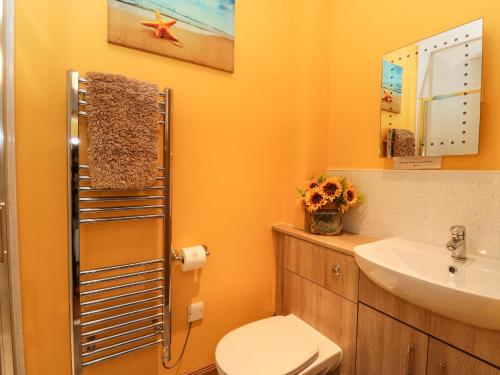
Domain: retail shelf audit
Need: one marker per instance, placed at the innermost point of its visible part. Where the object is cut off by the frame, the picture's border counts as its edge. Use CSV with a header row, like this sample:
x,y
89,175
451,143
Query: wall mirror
x,y
431,95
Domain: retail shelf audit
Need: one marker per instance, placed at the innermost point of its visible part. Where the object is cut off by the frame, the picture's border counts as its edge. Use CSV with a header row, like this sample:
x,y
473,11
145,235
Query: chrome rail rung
x,y
121,325
123,198
122,315
121,208
84,114
119,277
120,306
87,178
120,344
121,286
82,91
121,334
88,188
119,267
120,296
86,166
85,102
120,218
118,354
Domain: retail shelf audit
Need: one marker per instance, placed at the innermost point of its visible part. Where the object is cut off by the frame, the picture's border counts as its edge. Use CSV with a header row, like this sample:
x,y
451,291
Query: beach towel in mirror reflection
x,y
431,95
197,31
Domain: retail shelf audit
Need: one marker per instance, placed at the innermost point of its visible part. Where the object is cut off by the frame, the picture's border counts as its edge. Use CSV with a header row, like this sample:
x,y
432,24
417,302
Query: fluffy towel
x,y
403,143
122,132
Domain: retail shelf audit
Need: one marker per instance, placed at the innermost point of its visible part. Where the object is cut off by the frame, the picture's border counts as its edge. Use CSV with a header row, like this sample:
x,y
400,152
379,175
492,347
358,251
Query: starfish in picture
x,y
162,29
387,97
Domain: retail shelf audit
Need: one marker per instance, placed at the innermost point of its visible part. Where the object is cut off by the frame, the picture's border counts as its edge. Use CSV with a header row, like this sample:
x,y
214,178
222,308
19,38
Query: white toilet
x,y
281,345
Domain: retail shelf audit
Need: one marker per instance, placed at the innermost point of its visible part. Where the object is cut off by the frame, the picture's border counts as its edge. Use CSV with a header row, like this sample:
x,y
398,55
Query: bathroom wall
x,y
362,31
423,205
309,94
230,148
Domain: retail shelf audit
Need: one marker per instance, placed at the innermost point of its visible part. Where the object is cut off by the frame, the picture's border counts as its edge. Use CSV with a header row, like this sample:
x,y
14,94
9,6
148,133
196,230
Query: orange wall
x,y
309,110
362,31
229,155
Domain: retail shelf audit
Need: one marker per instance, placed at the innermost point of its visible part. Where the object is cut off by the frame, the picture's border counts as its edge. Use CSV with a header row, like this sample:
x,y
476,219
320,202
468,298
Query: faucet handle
x,y
458,232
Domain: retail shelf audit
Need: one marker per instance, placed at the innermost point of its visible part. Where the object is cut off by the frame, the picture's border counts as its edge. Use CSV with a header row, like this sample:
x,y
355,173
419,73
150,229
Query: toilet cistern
x,y
457,244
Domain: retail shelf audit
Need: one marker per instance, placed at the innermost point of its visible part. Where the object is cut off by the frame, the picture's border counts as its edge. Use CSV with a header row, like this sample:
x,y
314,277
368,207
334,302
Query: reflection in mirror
x,y
431,95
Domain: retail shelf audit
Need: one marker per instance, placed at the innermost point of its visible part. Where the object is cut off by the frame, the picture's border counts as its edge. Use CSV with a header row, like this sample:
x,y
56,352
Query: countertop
x,y
344,243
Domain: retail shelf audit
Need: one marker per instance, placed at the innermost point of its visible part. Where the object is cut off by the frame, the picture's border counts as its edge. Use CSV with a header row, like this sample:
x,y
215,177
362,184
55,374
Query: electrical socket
x,y
195,311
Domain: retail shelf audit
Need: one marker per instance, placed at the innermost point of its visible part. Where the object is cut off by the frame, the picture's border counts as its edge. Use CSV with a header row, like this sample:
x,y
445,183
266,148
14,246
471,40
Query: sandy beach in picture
x,y
394,105
199,46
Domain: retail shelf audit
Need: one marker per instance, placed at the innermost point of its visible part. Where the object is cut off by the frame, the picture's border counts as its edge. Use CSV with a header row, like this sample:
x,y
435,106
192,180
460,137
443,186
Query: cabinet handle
x,y
409,362
442,366
336,269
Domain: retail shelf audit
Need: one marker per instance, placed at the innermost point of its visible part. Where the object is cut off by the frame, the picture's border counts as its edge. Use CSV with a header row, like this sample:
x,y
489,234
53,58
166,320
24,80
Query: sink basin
x,y
468,291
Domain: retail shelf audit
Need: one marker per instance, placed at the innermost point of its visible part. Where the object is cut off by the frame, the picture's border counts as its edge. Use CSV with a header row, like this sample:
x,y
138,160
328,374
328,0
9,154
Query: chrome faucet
x,y
457,243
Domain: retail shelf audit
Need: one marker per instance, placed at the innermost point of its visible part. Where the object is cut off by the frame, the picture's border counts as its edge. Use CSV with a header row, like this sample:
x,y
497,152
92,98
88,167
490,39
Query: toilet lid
x,y
273,346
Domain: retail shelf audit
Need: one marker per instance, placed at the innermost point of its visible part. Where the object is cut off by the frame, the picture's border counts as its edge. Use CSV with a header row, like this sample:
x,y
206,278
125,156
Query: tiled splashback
x,y
422,206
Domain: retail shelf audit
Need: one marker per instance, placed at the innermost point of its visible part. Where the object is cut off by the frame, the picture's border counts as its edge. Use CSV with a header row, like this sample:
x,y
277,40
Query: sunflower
x,y
312,184
332,188
314,199
351,196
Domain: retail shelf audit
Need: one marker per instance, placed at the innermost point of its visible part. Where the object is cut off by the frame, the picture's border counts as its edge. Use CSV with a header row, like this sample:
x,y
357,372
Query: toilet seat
x,y
281,345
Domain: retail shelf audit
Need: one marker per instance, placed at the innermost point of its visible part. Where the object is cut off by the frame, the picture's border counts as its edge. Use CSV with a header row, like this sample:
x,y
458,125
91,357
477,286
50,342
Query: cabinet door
x,y
445,360
388,347
333,316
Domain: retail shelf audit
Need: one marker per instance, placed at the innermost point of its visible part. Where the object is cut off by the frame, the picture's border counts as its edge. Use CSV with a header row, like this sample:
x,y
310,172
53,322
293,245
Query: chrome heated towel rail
x,y
116,309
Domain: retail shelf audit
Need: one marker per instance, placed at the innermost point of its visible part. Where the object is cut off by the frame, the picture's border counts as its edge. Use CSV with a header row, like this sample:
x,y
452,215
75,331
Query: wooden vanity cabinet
x,y
445,360
380,334
386,346
320,286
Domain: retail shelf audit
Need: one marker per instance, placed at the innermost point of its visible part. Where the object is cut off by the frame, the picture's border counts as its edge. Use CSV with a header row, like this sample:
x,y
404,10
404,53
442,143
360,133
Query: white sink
x,y
421,275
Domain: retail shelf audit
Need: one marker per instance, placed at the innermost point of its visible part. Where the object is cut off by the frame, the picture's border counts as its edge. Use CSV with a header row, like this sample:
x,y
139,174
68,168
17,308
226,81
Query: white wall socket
x,y
195,311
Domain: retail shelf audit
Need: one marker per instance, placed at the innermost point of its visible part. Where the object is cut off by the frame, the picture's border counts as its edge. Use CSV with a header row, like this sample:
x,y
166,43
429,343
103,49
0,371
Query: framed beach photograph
x,y
197,31
392,84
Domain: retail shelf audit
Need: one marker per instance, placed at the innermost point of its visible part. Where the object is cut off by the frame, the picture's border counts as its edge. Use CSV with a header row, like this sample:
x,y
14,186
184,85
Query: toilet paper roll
x,y
194,258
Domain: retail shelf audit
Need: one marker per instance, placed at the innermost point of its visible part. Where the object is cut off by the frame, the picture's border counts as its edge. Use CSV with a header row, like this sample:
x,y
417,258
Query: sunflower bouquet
x,y
325,200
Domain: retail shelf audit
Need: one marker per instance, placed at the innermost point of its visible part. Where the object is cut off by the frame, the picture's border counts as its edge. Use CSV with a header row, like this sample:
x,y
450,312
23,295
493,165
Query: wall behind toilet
x,y
235,163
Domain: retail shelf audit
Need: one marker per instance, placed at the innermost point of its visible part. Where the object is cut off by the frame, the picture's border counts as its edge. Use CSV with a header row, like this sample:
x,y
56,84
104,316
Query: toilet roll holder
x,y
177,257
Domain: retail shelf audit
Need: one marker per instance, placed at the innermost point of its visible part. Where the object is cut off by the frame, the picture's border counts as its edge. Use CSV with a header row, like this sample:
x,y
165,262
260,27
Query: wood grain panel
x,y
445,360
345,284
317,264
306,259
330,314
279,253
384,346
344,243
482,343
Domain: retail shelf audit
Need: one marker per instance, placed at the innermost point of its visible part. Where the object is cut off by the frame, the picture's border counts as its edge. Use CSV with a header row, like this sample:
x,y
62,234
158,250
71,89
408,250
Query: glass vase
x,y
325,221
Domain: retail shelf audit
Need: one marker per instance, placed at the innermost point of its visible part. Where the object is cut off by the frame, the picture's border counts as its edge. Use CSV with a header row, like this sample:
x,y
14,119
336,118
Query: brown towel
x,y
403,143
122,131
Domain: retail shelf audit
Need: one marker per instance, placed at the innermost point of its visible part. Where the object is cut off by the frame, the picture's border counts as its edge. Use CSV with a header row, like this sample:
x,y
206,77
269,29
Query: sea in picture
x,y
198,31
392,86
